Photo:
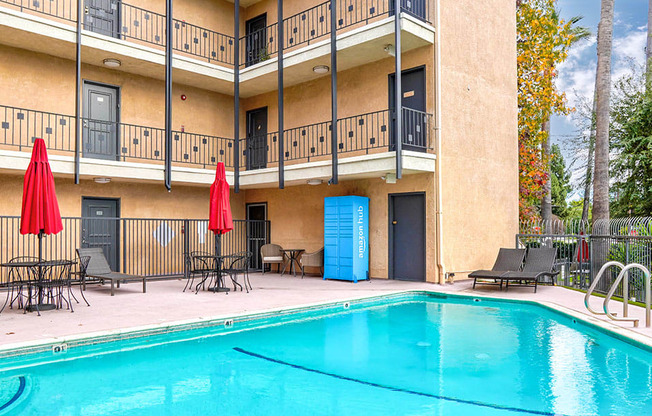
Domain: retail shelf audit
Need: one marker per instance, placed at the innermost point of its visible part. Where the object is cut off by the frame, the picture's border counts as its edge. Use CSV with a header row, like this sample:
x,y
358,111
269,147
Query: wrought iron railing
x,y
361,133
314,23
109,140
125,21
141,246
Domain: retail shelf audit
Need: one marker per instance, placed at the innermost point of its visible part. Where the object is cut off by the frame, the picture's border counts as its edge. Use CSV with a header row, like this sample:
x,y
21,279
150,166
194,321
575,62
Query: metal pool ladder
x,y
624,272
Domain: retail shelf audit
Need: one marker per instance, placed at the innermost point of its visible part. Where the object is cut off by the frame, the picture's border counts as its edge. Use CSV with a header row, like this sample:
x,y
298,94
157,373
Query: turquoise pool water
x,y
416,355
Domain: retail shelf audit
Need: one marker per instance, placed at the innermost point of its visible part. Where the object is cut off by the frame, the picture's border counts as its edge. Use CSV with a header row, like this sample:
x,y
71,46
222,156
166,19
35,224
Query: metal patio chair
x,y
539,263
509,259
239,264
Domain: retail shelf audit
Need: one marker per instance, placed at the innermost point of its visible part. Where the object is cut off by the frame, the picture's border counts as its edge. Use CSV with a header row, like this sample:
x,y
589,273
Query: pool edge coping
x,y
35,346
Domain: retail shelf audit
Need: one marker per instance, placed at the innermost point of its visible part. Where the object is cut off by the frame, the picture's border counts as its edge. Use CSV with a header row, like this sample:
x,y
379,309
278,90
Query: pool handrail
x,y
625,272
589,292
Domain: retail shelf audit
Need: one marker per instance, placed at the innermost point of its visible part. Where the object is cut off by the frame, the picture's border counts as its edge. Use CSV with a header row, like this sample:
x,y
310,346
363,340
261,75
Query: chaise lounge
x,y
98,268
540,262
508,260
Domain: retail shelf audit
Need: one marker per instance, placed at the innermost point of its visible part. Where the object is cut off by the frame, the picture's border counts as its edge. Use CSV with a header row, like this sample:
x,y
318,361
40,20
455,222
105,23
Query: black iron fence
x,y
142,246
62,9
362,133
582,250
108,140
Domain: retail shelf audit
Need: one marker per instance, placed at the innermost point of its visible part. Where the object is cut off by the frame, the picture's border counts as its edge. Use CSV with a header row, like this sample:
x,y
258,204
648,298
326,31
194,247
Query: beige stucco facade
x,y
475,123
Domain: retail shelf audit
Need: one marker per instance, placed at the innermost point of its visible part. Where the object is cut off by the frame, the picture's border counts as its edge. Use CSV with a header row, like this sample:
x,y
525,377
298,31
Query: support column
x,y
78,91
168,94
236,98
398,102
334,149
281,133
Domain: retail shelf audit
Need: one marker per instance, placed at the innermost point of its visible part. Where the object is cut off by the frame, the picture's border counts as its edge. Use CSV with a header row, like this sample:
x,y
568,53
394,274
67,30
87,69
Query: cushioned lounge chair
x,y
509,259
98,268
539,263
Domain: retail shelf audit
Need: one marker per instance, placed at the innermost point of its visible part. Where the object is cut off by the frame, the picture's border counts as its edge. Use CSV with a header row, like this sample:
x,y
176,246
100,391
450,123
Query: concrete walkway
x,y
165,302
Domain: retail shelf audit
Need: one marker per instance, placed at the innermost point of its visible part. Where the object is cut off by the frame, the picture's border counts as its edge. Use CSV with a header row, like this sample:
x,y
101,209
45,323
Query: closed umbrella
x,y
220,219
40,211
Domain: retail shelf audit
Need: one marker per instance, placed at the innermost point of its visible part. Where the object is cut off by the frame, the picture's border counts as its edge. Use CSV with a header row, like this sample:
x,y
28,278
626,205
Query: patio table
x,y
42,270
293,255
214,266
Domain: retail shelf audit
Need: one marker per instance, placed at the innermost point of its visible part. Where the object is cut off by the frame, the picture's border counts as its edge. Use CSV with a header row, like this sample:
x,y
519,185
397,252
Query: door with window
x,y
413,99
256,40
100,121
257,139
256,232
102,16
100,227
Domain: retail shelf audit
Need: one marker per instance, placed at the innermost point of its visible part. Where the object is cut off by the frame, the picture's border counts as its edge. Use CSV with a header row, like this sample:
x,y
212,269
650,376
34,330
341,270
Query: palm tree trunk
x,y
603,93
588,179
546,201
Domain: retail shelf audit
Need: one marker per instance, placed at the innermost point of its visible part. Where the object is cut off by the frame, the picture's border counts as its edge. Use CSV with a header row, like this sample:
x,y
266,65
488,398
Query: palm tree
x,y
603,94
578,33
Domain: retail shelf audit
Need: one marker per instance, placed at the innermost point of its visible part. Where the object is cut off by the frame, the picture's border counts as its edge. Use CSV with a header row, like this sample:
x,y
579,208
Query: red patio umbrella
x,y
220,220
40,211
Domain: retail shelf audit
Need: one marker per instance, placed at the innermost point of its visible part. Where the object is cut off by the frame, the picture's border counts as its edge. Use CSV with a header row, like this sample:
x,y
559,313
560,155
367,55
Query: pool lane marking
x,y
21,389
398,389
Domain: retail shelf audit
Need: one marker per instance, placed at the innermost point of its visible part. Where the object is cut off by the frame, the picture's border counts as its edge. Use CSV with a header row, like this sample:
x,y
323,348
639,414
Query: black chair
x,y
239,264
509,259
200,263
539,263
83,267
18,279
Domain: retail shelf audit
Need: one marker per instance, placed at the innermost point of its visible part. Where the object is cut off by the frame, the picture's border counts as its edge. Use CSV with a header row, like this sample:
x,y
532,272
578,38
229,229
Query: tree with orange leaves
x,y
543,40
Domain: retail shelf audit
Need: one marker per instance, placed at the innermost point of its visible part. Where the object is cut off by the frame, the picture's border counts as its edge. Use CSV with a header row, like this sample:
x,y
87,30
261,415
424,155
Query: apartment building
x,y
131,101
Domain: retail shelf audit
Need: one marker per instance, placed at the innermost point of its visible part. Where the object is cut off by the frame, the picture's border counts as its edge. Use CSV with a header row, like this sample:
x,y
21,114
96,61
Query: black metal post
x,y
236,98
168,94
398,101
334,149
281,150
78,88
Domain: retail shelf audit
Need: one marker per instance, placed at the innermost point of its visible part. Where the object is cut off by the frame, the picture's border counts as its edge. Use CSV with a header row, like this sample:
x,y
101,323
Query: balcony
x,y
205,57
133,152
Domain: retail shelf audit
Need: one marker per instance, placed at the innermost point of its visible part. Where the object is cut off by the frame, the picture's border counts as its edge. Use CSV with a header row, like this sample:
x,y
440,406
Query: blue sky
x,y
577,74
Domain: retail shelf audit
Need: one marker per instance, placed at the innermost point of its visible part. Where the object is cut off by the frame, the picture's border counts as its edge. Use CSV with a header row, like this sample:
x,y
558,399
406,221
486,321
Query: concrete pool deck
x,y
165,303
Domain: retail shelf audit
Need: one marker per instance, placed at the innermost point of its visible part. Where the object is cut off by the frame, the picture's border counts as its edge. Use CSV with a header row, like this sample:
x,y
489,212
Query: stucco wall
x,y
479,130
297,215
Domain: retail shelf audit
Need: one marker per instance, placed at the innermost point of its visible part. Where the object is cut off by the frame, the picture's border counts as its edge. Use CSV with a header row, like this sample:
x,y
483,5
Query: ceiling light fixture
x,y
102,180
390,49
320,69
314,182
111,63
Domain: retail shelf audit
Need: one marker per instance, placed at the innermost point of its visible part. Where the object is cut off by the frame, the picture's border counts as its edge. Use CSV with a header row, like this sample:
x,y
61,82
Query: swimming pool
x,y
410,354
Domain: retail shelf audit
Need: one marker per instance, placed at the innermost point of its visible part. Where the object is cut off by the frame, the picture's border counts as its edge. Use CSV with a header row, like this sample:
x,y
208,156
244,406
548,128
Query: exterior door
x,y
100,123
256,40
407,236
102,16
413,86
100,227
257,139
256,232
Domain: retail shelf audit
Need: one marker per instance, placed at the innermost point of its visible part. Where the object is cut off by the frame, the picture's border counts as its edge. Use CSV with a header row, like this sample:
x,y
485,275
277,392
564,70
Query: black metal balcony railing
x,y
118,19
106,140
362,133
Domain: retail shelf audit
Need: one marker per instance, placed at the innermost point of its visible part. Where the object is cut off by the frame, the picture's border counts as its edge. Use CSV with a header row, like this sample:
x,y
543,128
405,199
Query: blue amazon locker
x,y
346,233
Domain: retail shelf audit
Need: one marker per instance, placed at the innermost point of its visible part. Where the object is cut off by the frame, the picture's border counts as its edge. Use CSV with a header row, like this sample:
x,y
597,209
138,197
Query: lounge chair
x,y
315,259
508,260
540,262
98,268
272,254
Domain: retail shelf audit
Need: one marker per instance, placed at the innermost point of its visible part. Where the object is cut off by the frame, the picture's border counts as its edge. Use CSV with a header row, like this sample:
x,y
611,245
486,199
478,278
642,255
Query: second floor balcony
x,y
135,152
